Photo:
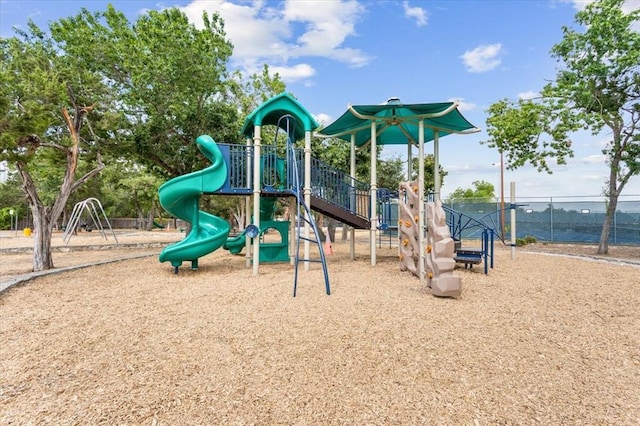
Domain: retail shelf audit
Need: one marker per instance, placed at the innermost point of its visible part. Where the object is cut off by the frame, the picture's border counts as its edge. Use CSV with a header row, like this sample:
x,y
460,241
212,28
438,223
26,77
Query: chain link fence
x,y
560,219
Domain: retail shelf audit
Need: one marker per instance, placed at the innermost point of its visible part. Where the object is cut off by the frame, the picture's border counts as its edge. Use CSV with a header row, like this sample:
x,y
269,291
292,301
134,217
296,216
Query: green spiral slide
x,y
180,197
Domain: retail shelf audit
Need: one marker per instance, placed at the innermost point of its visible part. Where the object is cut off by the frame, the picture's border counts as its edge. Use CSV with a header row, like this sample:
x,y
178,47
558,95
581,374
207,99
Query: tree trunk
x,y
319,225
331,229
148,223
616,183
44,217
612,205
43,230
238,214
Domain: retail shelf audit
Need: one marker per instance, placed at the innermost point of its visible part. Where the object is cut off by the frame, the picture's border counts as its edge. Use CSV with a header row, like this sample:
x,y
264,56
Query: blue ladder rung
x,y
308,239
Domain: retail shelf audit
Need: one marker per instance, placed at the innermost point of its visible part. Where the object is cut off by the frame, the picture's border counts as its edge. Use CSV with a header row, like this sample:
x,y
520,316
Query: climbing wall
x,y
439,245
408,227
440,253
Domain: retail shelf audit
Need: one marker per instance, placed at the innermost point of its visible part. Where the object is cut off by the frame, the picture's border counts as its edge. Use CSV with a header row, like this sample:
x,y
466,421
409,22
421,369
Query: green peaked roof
x,y
397,123
270,112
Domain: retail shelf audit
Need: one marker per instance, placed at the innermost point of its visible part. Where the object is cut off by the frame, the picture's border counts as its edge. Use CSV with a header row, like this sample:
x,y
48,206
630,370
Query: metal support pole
x,y
307,195
247,203
374,196
421,210
502,195
513,220
257,143
354,196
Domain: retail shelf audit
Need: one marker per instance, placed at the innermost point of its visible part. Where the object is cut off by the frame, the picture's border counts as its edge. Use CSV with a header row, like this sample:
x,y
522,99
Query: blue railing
x,y
327,182
462,225
337,187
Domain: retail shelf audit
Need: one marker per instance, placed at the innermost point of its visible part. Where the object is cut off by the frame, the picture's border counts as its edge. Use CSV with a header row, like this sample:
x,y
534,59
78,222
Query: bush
x,y
5,218
528,239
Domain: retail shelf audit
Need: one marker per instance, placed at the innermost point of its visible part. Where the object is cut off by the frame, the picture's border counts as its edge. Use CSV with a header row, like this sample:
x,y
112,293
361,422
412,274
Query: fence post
x,y
513,220
551,217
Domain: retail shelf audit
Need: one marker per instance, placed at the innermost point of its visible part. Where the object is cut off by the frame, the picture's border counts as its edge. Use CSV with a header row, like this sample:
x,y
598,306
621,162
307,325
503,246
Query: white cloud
x,y
323,119
578,4
483,58
294,73
327,25
462,105
280,34
595,159
528,95
627,6
417,13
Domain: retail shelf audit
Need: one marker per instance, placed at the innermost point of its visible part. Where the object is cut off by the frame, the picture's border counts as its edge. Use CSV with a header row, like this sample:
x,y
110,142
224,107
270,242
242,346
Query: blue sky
x,y
333,53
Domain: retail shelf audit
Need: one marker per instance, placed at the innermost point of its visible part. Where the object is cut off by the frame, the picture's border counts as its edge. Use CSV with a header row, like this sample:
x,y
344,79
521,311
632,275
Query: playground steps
x,y
468,256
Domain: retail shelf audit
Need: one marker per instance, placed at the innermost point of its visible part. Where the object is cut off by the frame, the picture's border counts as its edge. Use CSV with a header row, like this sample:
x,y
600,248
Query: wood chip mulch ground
x,y
543,339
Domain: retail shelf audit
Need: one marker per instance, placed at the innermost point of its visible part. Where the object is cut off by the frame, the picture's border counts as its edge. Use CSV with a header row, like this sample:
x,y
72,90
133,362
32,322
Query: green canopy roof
x,y
270,112
397,123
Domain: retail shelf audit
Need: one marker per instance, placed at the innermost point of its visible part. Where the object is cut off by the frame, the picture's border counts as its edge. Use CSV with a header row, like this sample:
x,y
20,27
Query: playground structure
x,y
93,208
260,173
263,173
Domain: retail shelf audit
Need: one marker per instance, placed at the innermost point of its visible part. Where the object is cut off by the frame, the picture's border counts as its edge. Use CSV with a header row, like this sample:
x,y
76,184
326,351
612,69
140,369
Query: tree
x,y
429,181
390,173
596,89
483,192
47,98
11,198
170,78
250,92
130,190
174,86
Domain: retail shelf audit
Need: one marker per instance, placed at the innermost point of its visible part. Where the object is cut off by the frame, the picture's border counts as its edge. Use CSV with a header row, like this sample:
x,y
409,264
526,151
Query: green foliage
x,y
128,189
47,98
483,192
390,173
257,89
337,153
6,219
528,239
11,195
168,76
599,87
429,180
39,81
527,131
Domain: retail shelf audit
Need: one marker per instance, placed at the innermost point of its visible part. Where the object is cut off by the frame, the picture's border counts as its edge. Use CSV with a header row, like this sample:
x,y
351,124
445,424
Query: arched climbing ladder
x,y
303,212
